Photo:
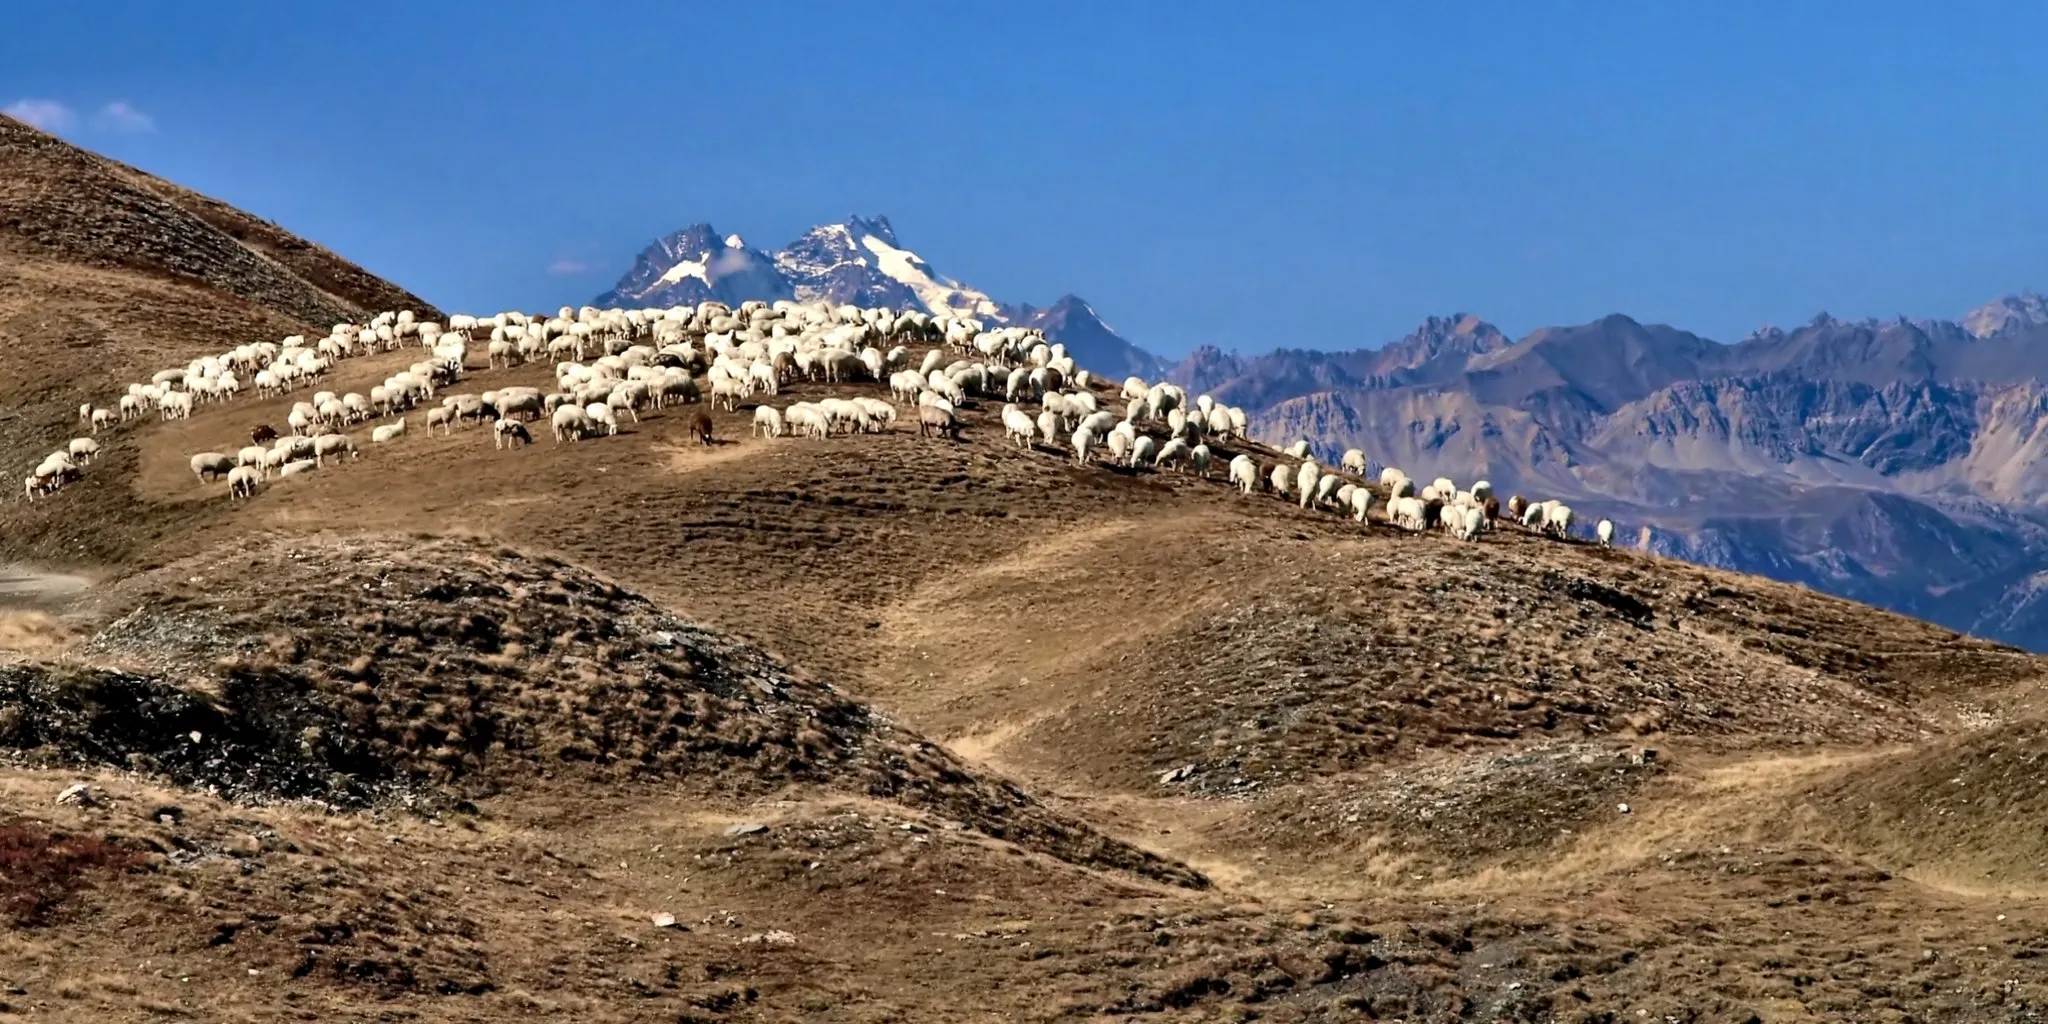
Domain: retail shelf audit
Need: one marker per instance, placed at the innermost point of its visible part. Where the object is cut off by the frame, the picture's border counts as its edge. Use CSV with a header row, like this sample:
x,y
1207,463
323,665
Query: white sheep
x,y
1559,522
1327,487
83,450
242,481
1605,531
768,420
1279,477
1018,426
570,421
1297,450
297,467
1083,440
601,416
336,445
209,466
1199,459
1244,473
506,431
1305,482
1353,461
1361,502
1143,452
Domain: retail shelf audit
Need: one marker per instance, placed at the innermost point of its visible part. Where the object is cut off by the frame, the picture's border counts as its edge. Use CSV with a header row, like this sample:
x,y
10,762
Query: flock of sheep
x,y
614,364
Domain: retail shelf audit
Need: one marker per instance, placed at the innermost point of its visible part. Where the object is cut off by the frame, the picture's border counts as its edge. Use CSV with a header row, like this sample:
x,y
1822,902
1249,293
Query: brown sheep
x,y
262,433
700,428
1492,511
933,420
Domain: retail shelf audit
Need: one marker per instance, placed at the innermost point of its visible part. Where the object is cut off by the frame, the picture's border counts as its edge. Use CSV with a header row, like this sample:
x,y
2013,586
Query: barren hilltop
x,y
882,726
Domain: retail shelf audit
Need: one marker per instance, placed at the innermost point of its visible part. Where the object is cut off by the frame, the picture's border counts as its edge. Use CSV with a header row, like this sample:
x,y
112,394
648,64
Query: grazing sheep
x,y
1516,506
1279,477
509,432
1244,473
1199,458
337,445
700,428
443,417
103,418
1353,462
1018,426
601,417
1173,455
933,420
1083,441
1297,450
768,420
572,422
1559,523
1361,502
209,466
1305,482
1605,531
1327,487
242,481
83,450
1473,522
1143,452
262,433
1406,513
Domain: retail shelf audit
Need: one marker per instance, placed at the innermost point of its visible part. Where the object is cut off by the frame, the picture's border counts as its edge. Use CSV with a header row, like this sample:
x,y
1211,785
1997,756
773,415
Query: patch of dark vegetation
x,y
39,869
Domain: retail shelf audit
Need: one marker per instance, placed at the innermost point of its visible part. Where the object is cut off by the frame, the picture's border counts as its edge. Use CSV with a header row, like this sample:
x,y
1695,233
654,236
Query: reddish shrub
x,y
38,869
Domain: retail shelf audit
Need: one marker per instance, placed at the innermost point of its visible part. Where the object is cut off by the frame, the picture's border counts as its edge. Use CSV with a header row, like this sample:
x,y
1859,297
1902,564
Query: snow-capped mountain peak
x,y
862,262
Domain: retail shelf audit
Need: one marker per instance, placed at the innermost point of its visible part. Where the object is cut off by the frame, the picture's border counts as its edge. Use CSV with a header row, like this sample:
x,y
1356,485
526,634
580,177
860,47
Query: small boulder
x,y
664,920
745,828
78,794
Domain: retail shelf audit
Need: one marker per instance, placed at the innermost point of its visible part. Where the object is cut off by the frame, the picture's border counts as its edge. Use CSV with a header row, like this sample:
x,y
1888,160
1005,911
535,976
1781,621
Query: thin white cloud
x,y
565,268
49,115
121,116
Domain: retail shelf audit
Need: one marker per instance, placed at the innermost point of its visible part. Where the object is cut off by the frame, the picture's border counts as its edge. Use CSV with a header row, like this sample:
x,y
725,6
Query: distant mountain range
x,y
1899,462
858,261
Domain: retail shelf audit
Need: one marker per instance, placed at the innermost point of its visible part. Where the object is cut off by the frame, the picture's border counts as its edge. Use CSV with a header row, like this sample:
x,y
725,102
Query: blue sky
x,y
1246,175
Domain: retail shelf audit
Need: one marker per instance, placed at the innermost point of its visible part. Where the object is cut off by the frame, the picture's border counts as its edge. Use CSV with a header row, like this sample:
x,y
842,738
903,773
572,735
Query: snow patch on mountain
x,y
698,269
939,295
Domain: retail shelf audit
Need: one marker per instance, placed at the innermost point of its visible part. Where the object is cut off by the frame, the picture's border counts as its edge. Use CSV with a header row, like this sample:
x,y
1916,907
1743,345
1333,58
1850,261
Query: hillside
x,y
1889,461
880,726
105,270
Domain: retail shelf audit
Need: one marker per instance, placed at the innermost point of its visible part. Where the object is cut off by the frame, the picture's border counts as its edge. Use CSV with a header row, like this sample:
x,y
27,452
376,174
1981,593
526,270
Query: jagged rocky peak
x,y
2007,312
858,261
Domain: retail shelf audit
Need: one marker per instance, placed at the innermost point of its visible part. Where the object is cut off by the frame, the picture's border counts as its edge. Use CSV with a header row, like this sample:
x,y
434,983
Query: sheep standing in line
x,y
768,420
